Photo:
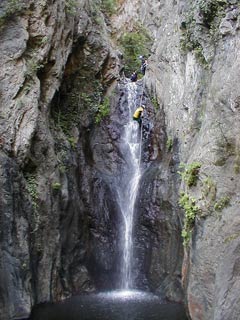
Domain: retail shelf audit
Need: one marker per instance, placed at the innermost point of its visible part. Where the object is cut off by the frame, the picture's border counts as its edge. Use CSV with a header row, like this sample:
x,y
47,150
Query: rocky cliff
x,y
61,120
56,66
193,72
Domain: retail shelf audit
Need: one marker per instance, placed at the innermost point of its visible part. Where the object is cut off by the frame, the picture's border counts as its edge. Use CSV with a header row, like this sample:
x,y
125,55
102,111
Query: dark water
x,y
133,305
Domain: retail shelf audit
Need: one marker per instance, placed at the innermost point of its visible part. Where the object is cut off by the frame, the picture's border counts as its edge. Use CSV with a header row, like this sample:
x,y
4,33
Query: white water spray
x,y
128,188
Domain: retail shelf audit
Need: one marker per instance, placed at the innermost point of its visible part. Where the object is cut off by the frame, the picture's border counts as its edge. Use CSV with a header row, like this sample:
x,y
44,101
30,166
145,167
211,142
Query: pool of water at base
x,y
116,305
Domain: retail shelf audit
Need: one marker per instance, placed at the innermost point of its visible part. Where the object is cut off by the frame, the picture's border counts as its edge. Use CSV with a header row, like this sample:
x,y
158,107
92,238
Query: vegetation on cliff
x,y
200,26
135,43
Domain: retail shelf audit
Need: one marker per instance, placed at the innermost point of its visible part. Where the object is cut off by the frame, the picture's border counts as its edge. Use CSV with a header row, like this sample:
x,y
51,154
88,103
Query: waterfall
x,y
128,186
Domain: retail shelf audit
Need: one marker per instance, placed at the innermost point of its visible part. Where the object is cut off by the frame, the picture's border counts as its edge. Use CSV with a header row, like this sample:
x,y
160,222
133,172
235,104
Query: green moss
x,y
62,167
220,162
198,50
31,184
209,189
236,165
71,6
190,173
155,103
56,186
73,142
222,203
33,66
169,144
43,40
232,237
103,110
191,210
237,168
109,6
226,149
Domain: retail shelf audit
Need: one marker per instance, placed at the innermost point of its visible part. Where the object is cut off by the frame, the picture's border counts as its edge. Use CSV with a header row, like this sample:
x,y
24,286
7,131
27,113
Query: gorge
x,y
65,140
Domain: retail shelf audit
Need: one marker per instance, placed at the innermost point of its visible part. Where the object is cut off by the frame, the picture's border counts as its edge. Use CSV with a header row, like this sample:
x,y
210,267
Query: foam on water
x,y
127,295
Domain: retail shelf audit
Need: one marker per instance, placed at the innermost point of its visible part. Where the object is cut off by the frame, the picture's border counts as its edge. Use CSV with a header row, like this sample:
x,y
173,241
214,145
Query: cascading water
x,y
128,186
126,303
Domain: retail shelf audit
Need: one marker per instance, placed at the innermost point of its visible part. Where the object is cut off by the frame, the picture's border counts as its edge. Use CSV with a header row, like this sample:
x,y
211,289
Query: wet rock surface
x,y
157,235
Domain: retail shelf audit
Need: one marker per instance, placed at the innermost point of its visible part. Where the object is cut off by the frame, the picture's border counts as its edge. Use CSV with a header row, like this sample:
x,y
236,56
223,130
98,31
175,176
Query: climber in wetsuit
x,y
137,116
143,64
134,76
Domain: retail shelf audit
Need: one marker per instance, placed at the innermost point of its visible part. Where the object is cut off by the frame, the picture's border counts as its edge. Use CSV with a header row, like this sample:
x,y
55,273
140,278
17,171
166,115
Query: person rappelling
x,y
134,76
138,114
144,64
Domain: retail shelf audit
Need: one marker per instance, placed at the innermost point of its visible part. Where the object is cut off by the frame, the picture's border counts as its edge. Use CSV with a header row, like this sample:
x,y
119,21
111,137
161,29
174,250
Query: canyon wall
x,y
54,206
193,72
59,216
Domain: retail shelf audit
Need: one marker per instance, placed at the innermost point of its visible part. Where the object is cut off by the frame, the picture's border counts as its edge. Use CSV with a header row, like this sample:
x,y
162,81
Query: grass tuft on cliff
x,y
109,6
191,210
135,43
190,173
203,17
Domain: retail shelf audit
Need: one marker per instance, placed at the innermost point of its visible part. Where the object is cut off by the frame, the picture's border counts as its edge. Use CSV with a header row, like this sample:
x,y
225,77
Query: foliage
x,y
169,144
236,166
64,121
190,211
210,9
88,100
208,196
232,237
155,103
32,189
13,7
33,66
56,186
222,203
70,115
62,167
79,104
209,189
211,13
71,6
226,148
190,43
134,44
43,40
109,6
73,142
103,110
190,173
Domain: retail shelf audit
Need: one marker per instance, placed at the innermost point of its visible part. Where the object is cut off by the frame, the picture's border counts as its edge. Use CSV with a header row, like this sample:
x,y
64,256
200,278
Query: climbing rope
x,y
142,90
141,130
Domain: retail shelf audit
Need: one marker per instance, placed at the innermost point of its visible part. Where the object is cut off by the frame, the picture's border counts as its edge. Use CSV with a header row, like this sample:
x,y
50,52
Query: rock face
x,y
193,73
60,158
58,217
